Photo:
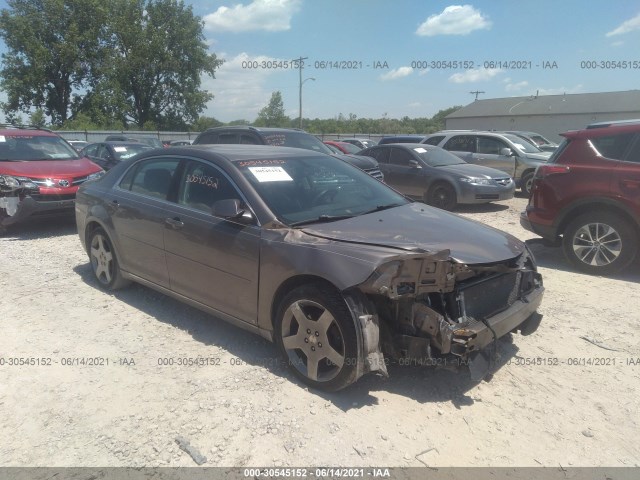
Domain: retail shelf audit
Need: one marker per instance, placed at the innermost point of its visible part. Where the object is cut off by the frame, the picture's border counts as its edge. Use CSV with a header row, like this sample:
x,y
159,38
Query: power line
x,y
476,93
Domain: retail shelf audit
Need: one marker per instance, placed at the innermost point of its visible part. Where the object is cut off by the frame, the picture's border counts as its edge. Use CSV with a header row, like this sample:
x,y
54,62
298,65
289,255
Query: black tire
x,y
600,243
323,325
104,262
442,195
526,183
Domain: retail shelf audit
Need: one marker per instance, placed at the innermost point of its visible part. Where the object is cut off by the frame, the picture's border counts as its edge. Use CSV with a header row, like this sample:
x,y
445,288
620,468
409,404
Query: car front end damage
x,y
432,309
23,197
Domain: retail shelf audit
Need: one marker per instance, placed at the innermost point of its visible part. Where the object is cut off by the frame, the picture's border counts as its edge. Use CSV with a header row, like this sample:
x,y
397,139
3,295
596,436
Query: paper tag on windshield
x,y
270,174
2,139
120,149
420,150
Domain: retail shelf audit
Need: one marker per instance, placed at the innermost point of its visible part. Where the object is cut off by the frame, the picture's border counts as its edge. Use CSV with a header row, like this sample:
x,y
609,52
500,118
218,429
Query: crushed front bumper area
x,y
15,209
431,307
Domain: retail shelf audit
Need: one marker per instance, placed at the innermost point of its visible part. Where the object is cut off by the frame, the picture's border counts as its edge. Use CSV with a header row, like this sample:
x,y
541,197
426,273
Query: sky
x,y
403,53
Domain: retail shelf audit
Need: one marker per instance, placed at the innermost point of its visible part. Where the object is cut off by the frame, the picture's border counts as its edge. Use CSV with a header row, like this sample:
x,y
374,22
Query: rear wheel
x,y
104,261
600,243
315,332
442,195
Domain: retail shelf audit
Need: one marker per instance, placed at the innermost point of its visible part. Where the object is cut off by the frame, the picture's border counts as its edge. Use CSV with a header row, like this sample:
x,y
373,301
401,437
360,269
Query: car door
x,y
490,152
212,260
138,210
405,172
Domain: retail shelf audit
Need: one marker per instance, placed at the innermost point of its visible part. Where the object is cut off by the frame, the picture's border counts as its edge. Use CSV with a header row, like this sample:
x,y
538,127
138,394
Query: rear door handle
x,y
174,222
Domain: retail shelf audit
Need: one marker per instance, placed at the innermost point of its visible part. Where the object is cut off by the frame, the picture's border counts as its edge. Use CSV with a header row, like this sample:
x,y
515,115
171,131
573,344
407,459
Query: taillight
x,y
545,170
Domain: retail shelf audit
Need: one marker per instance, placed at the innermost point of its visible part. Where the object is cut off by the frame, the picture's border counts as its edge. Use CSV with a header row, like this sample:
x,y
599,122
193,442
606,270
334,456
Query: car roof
x,y
257,129
30,131
411,146
125,143
239,152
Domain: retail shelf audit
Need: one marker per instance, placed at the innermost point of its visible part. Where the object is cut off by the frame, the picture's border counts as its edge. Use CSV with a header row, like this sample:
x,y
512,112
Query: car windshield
x,y
316,189
127,151
522,144
296,140
437,157
21,148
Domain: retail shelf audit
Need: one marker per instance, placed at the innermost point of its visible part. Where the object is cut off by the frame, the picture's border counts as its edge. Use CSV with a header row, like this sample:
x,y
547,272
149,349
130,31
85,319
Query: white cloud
x,y
396,73
626,27
617,44
424,72
415,104
475,75
454,20
269,15
240,92
514,87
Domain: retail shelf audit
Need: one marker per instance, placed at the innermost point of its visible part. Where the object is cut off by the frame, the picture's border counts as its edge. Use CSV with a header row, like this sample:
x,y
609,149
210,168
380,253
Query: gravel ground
x,y
566,395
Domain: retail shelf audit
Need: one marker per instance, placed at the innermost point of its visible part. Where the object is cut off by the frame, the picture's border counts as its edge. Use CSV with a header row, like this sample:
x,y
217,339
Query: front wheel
x,y
104,261
600,243
315,332
442,195
526,183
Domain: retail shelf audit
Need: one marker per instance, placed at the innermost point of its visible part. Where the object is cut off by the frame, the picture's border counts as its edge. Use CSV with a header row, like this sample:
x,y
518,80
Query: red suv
x,y
39,174
588,193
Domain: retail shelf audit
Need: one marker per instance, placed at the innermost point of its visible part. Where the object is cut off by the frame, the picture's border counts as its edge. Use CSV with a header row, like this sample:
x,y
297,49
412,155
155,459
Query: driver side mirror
x,y
414,164
507,152
231,208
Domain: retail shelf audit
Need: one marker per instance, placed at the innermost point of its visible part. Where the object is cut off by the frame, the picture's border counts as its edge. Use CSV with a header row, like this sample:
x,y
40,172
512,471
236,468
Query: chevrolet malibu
x,y
339,270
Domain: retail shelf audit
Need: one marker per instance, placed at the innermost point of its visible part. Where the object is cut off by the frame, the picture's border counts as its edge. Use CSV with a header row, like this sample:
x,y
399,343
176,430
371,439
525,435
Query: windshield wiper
x,y
379,208
321,219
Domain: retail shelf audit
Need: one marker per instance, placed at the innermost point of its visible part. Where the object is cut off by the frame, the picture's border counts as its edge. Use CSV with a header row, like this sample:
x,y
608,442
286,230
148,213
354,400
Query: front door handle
x,y
174,222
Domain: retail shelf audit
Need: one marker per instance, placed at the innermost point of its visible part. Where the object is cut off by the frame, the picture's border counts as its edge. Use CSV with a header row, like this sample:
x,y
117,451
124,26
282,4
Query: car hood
x,y
471,170
49,168
418,226
360,161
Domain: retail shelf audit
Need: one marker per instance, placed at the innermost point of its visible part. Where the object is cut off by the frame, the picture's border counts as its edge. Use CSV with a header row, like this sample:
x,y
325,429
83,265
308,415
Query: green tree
x,y
38,118
158,56
202,123
273,114
51,49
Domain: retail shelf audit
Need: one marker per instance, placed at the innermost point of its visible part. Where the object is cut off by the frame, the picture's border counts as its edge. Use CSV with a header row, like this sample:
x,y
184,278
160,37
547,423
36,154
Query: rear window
x,y
558,151
612,146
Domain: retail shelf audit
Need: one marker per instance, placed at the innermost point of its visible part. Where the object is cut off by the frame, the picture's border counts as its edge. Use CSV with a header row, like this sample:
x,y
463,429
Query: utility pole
x,y
300,60
476,93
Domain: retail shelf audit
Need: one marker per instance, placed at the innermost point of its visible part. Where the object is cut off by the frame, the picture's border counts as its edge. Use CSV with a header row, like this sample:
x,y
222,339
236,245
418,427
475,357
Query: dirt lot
x,y
566,395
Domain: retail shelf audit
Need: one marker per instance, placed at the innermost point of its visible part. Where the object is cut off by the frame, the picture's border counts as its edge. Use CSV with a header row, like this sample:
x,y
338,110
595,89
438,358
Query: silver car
x,y
503,151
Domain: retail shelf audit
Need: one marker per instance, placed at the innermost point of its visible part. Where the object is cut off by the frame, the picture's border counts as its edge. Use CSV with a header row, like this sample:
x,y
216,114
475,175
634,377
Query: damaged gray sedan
x,y
342,272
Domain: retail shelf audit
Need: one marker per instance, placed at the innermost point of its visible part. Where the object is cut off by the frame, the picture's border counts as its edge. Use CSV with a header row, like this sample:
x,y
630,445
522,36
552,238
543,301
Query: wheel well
x,y
295,282
596,207
527,172
437,183
91,226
